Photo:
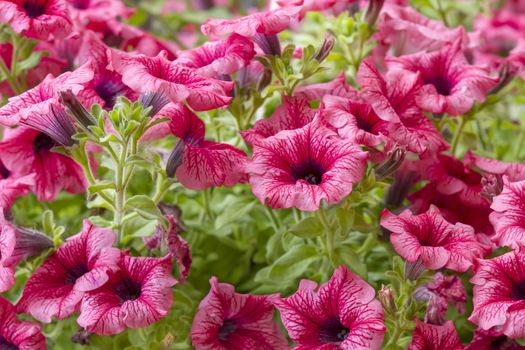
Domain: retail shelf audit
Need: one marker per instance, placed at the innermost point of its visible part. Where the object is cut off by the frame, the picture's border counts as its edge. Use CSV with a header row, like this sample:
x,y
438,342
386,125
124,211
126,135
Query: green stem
x,y
273,219
120,191
206,202
330,236
13,84
457,135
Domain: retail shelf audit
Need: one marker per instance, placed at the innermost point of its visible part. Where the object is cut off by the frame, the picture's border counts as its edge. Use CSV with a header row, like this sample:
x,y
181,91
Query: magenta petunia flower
x,y
15,334
450,83
514,171
37,101
340,314
151,74
266,22
355,119
12,187
25,151
229,320
299,168
38,19
293,113
492,339
433,239
198,163
217,59
433,337
499,294
80,265
337,87
137,295
509,214
393,98
84,11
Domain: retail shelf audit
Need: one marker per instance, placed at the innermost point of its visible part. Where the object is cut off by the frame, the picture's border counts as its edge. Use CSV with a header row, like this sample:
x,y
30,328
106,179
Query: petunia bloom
x,y
492,339
293,113
433,337
12,187
25,151
514,171
81,264
226,319
137,295
198,163
509,214
450,83
150,74
433,239
85,11
336,87
393,98
38,19
340,314
37,101
299,168
15,334
217,59
499,294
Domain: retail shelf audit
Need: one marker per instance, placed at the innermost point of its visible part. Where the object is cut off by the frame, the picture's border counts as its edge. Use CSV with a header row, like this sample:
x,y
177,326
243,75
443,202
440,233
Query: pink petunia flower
x,y
137,295
12,187
393,98
340,314
217,59
80,265
499,294
355,119
38,100
267,22
336,87
229,320
509,214
432,337
514,171
84,11
299,168
38,19
151,74
433,239
25,151
293,113
15,334
450,83
196,162
492,339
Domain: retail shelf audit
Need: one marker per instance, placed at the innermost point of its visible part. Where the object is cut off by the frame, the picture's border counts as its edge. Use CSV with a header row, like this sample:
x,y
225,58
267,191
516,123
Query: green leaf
x,y
100,221
144,206
293,263
233,213
29,62
100,186
347,256
307,228
48,221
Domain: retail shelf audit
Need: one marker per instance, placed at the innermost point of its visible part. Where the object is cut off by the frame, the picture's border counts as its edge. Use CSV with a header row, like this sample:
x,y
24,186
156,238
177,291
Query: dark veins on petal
x,y
43,143
333,331
5,345
75,273
227,328
34,8
309,171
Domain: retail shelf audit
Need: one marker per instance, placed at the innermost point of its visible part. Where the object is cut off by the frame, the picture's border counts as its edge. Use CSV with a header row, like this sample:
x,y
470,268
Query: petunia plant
x,y
260,175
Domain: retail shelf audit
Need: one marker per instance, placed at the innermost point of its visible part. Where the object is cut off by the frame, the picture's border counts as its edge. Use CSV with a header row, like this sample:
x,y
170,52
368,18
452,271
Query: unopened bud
x,y
77,110
492,185
269,43
155,100
414,269
507,72
326,47
56,124
386,296
175,159
391,164
373,10
81,337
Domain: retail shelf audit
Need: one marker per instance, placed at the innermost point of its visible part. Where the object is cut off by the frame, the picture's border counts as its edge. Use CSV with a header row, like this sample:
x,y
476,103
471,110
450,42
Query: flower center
x,y
5,345
128,289
81,4
227,328
498,343
43,143
75,273
34,8
518,290
442,85
333,331
309,172
108,90
4,172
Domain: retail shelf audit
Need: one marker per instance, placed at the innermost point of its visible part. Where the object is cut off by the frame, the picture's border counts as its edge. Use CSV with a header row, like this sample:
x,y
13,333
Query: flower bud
x,y
391,164
373,10
507,72
269,43
175,159
414,269
155,100
326,47
81,337
56,124
77,110
492,185
386,296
